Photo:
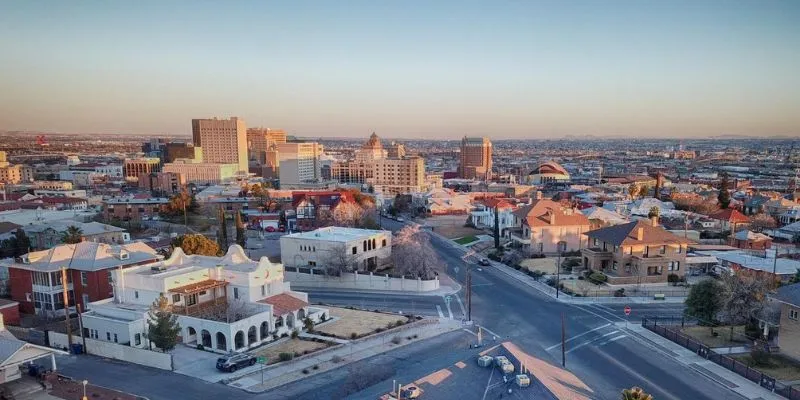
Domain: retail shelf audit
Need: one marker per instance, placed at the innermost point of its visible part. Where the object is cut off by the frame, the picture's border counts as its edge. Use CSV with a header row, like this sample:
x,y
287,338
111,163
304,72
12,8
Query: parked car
x,y
269,229
399,219
485,262
232,362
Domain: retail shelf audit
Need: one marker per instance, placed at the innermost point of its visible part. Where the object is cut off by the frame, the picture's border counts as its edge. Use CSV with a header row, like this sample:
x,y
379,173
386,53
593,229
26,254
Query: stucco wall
x,y
116,351
361,281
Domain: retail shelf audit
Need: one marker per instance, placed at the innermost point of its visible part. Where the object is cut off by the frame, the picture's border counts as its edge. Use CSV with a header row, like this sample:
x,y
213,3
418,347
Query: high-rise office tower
x,y
262,140
299,163
224,141
475,161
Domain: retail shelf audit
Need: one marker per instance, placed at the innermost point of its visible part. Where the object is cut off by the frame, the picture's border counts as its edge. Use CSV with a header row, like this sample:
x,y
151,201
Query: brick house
x,y
314,209
745,239
546,226
789,330
35,278
10,311
636,252
132,208
729,219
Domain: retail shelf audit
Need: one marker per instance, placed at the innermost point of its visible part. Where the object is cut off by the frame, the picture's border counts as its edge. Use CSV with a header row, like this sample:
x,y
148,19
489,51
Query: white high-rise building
x,y
299,163
224,141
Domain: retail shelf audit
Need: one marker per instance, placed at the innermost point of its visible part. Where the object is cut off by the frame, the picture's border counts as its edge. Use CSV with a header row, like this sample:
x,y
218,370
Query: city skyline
x,y
413,70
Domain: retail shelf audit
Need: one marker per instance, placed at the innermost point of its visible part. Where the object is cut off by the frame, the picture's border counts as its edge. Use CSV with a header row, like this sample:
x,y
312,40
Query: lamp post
x,y
85,382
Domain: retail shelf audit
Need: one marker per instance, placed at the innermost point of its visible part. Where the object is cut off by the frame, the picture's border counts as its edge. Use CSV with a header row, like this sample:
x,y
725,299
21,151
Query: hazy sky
x,y
428,68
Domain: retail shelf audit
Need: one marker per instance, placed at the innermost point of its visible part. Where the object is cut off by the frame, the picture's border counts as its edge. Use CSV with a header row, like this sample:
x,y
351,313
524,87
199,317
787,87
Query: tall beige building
x,y
299,163
262,140
14,174
224,141
387,175
475,160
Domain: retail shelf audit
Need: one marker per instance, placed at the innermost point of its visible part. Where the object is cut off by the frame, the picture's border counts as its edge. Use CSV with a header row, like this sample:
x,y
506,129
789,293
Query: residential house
x,y
746,239
755,204
133,208
364,249
314,209
16,355
729,219
225,304
643,206
762,263
789,331
45,236
636,252
483,216
546,226
443,201
780,206
36,278
600,217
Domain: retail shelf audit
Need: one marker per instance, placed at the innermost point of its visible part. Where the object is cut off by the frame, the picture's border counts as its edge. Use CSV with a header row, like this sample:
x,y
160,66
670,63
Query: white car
x,y
485,361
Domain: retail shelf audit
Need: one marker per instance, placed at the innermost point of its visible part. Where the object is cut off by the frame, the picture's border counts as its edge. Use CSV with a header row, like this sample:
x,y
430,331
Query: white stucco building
x,y
229,303
365,248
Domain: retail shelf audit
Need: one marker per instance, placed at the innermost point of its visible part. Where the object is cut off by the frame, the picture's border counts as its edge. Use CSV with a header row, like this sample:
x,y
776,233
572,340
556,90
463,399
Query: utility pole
x,y
563,342
80,326
66,305
185,219
558,272
469,293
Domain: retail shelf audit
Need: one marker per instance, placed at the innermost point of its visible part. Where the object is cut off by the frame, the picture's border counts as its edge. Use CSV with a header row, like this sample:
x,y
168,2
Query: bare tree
x,y
762,221
347,214
413,254
744,298
228,312
339,260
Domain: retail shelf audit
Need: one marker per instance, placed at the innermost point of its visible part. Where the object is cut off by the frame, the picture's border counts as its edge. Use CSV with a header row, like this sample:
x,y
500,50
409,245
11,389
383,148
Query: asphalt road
x,y
603,356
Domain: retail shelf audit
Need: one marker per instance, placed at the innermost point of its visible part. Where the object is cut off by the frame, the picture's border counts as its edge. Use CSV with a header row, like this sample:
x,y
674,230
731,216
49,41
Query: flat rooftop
x,y
336,234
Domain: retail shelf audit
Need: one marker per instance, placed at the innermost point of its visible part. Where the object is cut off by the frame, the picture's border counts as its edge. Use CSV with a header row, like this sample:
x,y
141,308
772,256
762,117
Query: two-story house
x,y
546,226
133,208
314,209
636,252
789,332
365,249
36,277
484,214
229,303
730,219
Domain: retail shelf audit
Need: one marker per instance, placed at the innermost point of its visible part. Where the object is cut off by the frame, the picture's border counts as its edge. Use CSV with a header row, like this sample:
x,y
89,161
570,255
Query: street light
x,y
85,382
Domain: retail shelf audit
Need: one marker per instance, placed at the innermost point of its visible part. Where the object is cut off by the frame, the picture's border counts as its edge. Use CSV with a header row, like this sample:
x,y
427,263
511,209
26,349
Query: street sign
x,y
262,360
627,310
455,269
447,299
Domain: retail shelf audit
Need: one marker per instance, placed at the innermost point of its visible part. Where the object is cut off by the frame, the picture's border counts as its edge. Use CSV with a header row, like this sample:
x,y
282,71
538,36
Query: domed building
x,y
548,172
371,150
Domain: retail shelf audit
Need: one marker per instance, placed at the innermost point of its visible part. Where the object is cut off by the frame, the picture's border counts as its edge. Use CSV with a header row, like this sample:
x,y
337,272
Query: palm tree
x,y
72,235
635,393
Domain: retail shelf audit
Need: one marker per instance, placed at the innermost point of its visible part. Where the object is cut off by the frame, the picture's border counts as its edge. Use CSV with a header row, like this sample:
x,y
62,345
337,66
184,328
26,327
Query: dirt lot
x,y
703,334
294,346
450,226
778,367
360,322
546,265
585,288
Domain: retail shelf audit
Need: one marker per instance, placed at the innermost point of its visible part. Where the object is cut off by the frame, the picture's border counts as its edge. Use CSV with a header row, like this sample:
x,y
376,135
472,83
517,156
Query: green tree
x,y
196,244
162,324
496,228
308,324
72,235
654,212
796,277
20,243
635,393
240,237
705,300
223,229
724,196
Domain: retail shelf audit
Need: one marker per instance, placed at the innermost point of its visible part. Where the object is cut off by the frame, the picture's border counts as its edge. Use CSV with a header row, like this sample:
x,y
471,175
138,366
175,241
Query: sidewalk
x,y
717,373
446,286
288,372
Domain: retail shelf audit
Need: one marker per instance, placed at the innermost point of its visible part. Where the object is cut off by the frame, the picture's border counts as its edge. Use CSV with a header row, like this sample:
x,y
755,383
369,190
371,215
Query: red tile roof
x,y
730,215
539,214
499,203
284,303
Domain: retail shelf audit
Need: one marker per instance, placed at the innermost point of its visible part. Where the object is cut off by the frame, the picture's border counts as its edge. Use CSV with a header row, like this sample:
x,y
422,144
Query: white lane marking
x,y
449,310
577,336
463,310
469,331
588,342
487,330
439,309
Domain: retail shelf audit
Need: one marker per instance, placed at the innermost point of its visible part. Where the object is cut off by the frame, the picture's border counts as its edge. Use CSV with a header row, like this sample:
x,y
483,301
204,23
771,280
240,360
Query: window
x,y
137,339
263,290
663,250
595,241
383,243
115,338
176,298
202,293
191,299
614,266
135,294
111,277
628,267
793,314
108,336
84,278
312,263
355,249
235,293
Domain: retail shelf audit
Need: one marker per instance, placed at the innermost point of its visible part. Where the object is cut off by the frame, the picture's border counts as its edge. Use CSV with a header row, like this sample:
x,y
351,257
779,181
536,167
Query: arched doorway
x,y
252,336
238,340
278,322
290,320
222,343
301,315
264,330
205,338
191,335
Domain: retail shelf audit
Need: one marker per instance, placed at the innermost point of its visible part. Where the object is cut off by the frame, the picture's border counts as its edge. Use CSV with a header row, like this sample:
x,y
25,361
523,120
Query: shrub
x,y
759,356
415,336
408,337
399,323
619,292
294,334
378,330
297,354
537,274
337,359
673,279
305,371
315,367
397,340
598,277
285,335
285,356
551,281
200,347
353,335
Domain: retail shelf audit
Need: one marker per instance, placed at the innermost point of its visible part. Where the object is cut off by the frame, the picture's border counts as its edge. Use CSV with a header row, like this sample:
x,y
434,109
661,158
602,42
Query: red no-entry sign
x,y
627,310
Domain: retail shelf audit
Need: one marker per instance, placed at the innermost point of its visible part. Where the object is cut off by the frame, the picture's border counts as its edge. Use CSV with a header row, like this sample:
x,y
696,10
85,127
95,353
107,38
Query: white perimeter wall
x,y
116,351
359,281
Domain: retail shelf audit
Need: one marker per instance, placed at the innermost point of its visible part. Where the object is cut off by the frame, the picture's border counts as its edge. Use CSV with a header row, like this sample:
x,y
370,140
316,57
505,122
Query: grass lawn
x,y
782,368
290,346
466,240
585,288
703,334
360,322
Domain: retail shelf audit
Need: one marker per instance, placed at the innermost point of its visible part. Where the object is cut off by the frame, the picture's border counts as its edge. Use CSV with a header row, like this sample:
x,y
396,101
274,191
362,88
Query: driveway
x,y
202,365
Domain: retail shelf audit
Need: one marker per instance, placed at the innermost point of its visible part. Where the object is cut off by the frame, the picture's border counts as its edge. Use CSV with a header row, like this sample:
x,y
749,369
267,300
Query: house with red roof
x,y
314,209
484,214
546,226
730,219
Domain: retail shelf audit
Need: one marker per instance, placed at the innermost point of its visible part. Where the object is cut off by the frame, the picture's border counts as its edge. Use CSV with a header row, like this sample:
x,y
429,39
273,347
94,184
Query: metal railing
x,y
669,328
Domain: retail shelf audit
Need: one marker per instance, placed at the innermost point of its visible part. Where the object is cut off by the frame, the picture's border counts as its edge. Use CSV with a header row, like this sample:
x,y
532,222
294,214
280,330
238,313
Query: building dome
x,y
373,143
550,167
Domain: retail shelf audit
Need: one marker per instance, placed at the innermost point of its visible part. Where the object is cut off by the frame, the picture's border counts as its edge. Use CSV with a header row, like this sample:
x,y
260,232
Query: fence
x,y
305,277
666,327
116,351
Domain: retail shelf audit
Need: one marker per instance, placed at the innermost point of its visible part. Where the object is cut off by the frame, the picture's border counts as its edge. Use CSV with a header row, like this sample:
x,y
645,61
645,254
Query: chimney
x,y
640,233
538,195
654,221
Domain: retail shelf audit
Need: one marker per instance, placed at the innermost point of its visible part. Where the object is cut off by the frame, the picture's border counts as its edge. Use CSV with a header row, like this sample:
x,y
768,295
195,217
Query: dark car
x,y
232,362
485,262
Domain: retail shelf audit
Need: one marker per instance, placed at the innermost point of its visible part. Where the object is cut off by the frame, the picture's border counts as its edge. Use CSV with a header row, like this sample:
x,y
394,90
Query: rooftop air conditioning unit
x,y
158,268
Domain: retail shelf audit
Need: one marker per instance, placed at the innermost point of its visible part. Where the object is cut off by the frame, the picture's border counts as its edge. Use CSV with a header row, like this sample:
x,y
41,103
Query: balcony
x,y
596,252
517,236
